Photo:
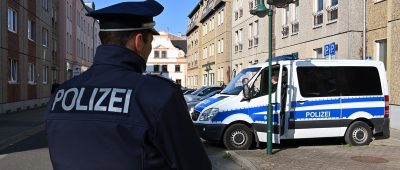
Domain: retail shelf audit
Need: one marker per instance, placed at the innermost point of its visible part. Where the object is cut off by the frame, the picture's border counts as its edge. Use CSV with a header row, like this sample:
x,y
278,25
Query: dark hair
x,y
120,37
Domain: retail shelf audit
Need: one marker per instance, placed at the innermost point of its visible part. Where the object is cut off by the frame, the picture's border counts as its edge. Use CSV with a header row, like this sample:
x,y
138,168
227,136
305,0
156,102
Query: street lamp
x,y
261,11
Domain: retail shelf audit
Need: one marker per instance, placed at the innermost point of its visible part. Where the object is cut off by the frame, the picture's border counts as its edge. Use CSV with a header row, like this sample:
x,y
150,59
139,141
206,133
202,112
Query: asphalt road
x,y
33,154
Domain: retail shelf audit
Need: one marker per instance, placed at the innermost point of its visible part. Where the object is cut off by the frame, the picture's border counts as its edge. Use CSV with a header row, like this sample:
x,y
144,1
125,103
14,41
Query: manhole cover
x,y
369,159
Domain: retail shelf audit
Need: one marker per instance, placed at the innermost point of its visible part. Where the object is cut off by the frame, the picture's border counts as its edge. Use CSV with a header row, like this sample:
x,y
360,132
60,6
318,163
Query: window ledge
x,y
295,33
31,40
31,83
332,22
15,32
285,36
317,26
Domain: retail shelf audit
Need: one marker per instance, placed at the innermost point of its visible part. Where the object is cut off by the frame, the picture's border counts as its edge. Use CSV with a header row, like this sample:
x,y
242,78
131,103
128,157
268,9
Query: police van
x,y
312,99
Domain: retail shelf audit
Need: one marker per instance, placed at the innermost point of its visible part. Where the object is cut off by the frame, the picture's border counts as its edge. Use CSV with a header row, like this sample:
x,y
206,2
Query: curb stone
x,y
21,136
243,162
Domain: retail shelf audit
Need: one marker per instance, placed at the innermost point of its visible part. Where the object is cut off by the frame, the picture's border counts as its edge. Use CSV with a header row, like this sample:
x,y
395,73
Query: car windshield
x,y
235,86
198,91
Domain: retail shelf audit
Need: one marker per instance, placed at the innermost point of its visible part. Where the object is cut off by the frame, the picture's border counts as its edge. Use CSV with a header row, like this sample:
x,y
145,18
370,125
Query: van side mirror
x,y
246,92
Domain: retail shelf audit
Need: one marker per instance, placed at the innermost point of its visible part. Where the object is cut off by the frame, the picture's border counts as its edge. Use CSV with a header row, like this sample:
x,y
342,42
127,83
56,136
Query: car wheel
x,y
238,137
358,133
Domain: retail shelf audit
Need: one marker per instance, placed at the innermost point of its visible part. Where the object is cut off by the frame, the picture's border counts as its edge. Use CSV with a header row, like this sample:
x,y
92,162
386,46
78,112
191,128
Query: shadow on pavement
x,y
36,141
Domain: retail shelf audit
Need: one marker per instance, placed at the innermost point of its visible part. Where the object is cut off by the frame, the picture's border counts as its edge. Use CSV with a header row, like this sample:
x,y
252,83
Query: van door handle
x,y
302,101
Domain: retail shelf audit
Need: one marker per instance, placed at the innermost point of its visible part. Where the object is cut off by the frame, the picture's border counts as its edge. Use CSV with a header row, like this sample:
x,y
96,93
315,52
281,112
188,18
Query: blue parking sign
x,y
326,50
332,48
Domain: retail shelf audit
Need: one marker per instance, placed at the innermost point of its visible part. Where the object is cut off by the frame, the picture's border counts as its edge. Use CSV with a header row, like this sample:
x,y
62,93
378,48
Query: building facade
x,y
305,27
26,53
250,41
78,36
383,40
168,58
210,30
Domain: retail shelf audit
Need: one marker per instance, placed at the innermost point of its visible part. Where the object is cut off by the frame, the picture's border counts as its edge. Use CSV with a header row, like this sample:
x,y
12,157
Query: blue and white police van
x,y
312,99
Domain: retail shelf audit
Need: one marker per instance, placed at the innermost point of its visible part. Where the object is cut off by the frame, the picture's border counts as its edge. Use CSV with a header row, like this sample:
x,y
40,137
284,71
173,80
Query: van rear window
x,y
338,81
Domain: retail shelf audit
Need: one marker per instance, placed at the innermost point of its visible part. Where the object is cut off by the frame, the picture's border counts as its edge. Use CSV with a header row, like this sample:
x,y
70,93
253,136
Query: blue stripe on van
x,y
374,111
250,112
316,102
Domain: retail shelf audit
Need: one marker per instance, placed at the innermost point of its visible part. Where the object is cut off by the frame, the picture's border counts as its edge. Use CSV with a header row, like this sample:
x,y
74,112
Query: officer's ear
x,y
135,43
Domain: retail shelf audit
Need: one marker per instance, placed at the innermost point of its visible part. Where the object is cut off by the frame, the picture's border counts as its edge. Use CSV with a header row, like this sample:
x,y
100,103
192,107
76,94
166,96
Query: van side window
x,y
338,81
260,85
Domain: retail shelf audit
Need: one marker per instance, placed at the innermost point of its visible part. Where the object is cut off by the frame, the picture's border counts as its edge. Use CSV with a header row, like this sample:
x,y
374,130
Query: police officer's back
x,y
114,117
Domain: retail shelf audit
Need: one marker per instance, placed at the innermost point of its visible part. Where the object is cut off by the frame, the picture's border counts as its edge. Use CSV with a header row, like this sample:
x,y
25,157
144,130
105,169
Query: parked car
x,y
187,91
205,90
192,100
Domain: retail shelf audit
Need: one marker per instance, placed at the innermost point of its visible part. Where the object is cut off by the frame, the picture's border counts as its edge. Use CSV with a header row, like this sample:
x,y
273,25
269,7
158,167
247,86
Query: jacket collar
x,y
119,56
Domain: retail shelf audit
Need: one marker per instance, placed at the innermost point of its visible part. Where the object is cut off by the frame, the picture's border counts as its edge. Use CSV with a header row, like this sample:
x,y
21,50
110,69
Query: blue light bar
x,y
285,57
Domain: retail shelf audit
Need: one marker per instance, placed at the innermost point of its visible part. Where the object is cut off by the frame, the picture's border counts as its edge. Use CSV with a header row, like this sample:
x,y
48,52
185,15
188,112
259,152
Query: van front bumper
x,y
210,132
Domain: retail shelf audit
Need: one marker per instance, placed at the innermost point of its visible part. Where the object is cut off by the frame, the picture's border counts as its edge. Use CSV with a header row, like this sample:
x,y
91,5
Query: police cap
x,y
128,16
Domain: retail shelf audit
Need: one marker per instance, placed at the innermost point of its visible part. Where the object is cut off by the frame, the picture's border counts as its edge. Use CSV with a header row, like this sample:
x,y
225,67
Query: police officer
x,y
113,116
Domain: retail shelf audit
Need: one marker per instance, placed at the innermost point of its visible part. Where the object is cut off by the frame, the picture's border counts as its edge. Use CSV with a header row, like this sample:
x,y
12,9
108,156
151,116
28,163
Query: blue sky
x,y
173,19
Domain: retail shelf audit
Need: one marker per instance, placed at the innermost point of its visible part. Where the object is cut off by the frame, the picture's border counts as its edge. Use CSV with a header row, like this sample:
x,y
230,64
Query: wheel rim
x,y
360,135
238,138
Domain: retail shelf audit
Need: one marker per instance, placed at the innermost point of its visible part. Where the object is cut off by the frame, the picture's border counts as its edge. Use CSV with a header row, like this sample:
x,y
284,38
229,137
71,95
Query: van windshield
x,y
235,86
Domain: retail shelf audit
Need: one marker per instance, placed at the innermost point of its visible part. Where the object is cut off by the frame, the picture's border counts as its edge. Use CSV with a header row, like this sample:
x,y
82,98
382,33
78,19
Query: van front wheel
x,y
238,137
358,133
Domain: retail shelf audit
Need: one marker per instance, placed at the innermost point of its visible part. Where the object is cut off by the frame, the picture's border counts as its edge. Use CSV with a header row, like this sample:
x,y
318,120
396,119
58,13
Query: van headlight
x,y
191,110
208,114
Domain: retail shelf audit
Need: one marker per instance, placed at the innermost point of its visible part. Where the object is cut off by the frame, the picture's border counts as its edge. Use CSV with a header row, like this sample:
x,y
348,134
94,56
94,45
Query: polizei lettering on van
x,y
320,114
92,99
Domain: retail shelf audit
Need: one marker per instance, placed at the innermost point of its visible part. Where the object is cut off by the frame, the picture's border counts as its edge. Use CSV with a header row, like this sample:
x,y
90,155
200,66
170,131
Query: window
x,y
31,30
250,35
31,73
45,37
205,78
240,40
318,53
178,81
156,54
222,16
219,46
318,14
12,20
236,41
295,22
222,45
285,21
45,4
256,33
381,51
205,53
13,71
165,68
177,68
332,10
260,85
163,54
45,70
156,68
338,81
240,8
212,78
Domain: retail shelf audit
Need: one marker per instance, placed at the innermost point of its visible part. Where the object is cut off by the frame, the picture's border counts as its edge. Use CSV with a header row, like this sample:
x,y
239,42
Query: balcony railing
x,y
295,26
318,18
332,13
285,30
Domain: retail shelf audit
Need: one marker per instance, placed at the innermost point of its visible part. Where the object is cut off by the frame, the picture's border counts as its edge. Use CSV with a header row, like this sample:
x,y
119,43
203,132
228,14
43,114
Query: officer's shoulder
x,y
161,79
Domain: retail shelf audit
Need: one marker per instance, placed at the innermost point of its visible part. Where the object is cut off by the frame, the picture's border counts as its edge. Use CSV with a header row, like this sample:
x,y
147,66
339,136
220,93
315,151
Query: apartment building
x,y
26,58
383,40
78,36
193,47
250,36
168,58
215,33
320,29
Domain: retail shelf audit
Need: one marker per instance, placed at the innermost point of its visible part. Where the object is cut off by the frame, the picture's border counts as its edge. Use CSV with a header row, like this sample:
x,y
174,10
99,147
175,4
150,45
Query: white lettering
x,y
92,98
114,99
322,114
64,106
98,106
58,97
78,102
127,100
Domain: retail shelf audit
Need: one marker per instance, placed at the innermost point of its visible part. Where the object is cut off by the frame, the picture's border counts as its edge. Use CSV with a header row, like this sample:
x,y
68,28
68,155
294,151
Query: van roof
x,y
324,62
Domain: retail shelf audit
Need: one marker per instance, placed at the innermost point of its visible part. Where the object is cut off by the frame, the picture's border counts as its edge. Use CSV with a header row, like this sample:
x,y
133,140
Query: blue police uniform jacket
x,y
114,117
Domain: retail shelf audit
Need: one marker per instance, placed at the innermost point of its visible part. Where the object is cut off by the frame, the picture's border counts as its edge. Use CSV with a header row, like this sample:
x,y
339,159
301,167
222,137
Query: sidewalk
x,y
380,154
18,126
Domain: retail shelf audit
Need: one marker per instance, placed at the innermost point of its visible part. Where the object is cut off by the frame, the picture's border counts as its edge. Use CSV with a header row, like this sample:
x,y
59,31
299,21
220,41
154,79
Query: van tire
x,y
359,133
238,137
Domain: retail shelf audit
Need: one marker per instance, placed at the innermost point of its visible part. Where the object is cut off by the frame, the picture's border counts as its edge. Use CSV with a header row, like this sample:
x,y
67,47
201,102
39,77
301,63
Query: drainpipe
x,y
364,29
